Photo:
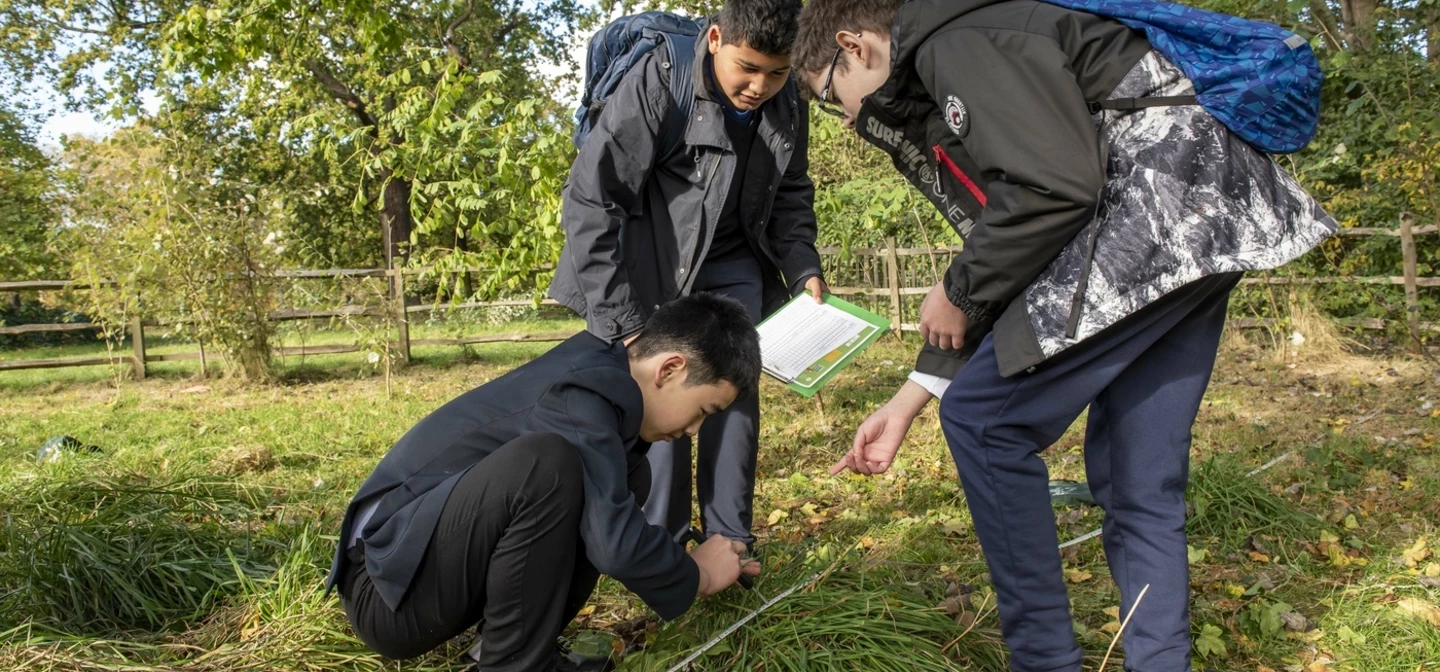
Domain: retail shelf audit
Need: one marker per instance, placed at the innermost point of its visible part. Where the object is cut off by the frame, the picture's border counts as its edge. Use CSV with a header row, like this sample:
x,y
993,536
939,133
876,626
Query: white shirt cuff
x,y
935,385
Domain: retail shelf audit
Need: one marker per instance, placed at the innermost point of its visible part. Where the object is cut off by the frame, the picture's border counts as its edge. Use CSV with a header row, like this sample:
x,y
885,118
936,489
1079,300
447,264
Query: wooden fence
x,y
888,280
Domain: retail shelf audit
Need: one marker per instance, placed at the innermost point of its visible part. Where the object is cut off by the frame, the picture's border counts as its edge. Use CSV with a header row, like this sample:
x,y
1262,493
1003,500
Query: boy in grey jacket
x,y
729,211
1100,251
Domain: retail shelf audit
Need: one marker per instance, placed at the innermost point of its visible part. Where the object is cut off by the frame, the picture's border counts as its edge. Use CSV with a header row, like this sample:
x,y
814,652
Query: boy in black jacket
x,y
506,504
1100,250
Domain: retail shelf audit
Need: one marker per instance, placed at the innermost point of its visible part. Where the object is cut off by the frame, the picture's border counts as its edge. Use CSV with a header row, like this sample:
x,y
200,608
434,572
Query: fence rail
x,y
882,281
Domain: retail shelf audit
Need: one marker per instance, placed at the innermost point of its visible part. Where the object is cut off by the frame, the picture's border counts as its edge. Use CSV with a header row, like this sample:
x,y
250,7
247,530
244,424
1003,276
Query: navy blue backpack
x,y
617,47
1260,80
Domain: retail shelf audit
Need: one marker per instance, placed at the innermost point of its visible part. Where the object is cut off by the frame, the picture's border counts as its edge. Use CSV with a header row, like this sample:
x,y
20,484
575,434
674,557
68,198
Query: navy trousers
x,y
729,440
1143,380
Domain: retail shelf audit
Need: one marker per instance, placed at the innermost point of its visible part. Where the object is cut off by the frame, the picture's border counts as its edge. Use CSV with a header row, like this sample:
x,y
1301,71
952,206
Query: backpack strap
x,y
1137,103
681,49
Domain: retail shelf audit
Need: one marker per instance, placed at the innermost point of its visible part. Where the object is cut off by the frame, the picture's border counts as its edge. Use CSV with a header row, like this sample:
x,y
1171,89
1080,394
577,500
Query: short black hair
x,y
815,41
767,26
713,332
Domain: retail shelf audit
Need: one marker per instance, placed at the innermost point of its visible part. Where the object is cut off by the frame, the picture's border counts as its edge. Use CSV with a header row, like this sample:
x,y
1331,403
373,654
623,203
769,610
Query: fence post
x,y
892,280
402,317
137,341
1412,291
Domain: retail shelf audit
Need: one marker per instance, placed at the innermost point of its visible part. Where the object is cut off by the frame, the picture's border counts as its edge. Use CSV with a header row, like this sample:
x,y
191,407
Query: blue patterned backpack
x,y
1260,80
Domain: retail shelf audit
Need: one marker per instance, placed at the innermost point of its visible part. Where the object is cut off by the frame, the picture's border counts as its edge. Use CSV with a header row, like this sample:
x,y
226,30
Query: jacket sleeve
x,y
948,363
791,230
617,539
605,188
1034,141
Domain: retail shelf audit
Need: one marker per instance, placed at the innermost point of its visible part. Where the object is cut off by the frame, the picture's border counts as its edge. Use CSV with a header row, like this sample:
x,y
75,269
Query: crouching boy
x,y
1106,218
504,506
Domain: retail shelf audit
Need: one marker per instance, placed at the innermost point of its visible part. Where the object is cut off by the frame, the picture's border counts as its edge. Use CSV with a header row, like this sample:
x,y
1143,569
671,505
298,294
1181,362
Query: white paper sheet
x,y
801,333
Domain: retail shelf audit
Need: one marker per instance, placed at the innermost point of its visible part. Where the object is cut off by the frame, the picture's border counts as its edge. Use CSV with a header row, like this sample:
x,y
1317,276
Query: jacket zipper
x,y
714,168
960,175
1077,302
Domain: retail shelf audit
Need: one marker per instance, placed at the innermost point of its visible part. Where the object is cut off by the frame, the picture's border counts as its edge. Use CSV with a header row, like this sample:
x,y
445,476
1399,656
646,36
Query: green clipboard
x,y
809,381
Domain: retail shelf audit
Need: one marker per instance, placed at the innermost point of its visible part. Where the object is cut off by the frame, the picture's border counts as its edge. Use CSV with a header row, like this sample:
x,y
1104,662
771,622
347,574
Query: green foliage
x,y
28,215
1261,619
860,199
158,236
1210,642
485,174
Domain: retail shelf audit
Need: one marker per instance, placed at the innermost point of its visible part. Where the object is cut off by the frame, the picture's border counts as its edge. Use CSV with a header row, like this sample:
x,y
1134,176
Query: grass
x,y
199,538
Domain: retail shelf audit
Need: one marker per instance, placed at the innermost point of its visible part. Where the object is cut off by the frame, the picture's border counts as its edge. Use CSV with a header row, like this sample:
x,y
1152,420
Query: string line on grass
x,y
743,620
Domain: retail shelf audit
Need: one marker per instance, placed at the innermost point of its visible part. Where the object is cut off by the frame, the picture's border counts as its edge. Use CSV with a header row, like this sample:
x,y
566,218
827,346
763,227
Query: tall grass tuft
x,y
1229,505
120,554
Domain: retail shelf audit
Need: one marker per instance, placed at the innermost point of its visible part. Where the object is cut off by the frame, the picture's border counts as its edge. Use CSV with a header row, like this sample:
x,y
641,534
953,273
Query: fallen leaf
x,y
1263,668
1418,608
809,509
867,542
776,516
1258,556
1416,553
197,389
1113,612
1351,523
956,527
589,609
1074,575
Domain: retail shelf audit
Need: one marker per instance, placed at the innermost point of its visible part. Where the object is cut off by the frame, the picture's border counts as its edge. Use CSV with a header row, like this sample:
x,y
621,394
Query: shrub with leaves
x,y
159,236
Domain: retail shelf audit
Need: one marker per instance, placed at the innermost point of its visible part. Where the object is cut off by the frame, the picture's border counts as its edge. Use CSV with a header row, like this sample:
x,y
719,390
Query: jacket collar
x,y
707,120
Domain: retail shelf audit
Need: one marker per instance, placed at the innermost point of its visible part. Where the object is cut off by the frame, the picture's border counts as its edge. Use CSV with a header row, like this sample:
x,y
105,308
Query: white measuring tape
x,y
746,619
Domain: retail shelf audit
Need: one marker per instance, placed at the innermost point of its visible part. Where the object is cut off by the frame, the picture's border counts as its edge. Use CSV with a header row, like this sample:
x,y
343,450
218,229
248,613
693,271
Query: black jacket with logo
x,y
1071,220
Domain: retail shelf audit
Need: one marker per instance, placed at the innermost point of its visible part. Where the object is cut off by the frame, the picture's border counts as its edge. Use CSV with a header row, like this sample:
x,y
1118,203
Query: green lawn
x,y
198,539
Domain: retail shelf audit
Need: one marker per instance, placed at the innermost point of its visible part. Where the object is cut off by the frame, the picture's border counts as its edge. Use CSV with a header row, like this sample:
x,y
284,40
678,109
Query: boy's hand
x,y
721,561
878,438
942,323
817,288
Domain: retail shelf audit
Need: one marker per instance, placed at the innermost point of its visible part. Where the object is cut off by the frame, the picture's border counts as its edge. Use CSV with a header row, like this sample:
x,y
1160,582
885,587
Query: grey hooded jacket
x,y
638,225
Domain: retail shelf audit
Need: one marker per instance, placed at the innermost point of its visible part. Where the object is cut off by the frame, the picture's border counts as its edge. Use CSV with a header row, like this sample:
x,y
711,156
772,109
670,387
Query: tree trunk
x,y
467,279
395,222
1358,16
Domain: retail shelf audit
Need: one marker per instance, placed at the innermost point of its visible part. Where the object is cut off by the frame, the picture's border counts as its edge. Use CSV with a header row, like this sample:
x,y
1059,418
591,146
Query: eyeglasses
x,y
824,102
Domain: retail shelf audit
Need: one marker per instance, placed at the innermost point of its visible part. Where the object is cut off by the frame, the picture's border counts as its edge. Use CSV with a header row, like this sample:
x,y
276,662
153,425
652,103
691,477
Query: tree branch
x,y
1328,26
342,93
451,44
